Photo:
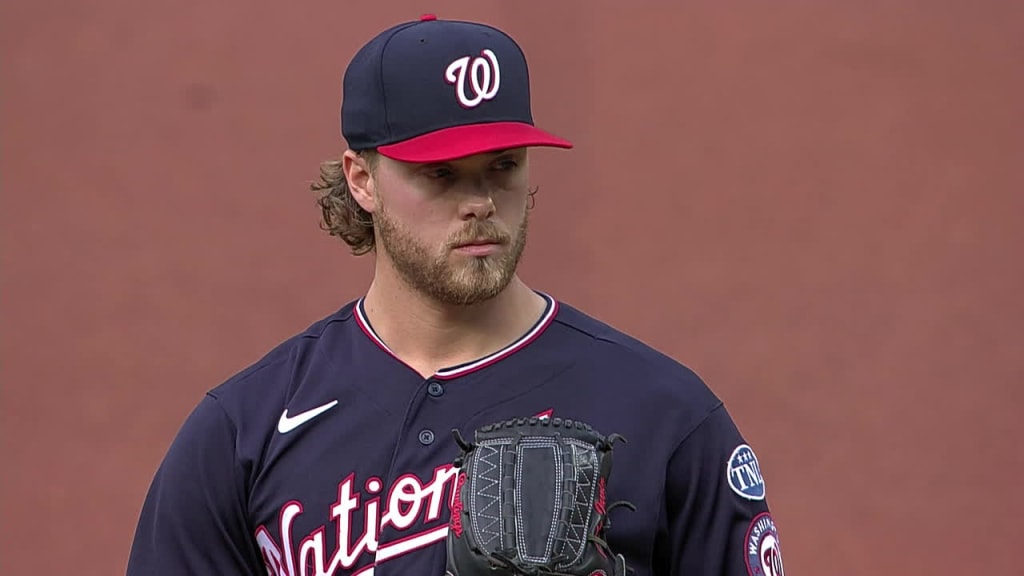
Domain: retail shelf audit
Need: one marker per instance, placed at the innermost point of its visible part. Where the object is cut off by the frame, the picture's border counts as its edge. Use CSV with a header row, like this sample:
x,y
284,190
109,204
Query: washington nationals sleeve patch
x,y
763,554
745,473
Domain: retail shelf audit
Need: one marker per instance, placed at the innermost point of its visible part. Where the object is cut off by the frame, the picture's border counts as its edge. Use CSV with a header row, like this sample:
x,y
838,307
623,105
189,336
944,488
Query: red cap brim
x,y
462,141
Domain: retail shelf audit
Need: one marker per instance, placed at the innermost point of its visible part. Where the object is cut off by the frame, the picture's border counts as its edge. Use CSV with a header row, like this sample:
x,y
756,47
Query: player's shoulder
x,y
619,355
277,372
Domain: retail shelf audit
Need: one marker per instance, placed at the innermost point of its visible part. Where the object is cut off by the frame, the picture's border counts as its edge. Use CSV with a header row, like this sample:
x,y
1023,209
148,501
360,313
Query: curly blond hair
x,y
342,216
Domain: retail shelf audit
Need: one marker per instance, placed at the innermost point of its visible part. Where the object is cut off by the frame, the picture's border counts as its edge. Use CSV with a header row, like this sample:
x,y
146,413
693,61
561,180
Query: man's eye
x,y
506,165
439,173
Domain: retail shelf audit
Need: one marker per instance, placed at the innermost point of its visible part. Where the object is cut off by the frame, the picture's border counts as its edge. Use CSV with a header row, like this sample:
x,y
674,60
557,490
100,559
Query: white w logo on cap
x,y
484,78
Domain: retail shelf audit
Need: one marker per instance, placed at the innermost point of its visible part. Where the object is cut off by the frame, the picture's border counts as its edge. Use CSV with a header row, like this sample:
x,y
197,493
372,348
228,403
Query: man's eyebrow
x,y
439,163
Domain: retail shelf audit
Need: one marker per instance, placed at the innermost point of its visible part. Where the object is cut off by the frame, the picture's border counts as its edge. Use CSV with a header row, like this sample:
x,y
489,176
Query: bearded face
x,y
453,272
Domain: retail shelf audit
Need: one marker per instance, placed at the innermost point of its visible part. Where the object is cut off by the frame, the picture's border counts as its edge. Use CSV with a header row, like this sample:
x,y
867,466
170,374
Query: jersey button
x,y
435,389
426,437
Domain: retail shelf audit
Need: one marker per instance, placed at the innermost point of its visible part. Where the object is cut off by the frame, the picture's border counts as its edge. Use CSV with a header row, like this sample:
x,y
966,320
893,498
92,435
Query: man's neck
x,y
430,336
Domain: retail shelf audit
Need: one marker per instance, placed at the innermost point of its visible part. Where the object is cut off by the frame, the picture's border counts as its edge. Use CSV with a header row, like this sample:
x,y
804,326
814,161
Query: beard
x,y
466,281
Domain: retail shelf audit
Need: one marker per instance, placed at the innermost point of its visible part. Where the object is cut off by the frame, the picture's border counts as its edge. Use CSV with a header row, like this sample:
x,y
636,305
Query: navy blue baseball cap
x,y
434,90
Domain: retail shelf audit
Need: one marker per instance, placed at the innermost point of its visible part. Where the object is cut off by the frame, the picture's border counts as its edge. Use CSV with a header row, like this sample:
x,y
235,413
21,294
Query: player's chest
x,y
362,486
366,485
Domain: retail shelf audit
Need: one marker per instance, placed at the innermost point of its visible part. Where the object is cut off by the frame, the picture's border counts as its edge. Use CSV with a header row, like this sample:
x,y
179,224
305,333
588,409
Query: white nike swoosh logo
x,y
288,423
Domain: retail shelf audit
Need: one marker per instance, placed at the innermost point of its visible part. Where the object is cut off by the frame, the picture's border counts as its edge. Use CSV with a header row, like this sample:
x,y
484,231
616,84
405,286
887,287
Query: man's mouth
x,y
479,247
479,242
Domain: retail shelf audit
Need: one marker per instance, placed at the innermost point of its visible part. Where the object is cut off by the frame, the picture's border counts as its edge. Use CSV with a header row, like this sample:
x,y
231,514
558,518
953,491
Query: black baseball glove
x,y
530,501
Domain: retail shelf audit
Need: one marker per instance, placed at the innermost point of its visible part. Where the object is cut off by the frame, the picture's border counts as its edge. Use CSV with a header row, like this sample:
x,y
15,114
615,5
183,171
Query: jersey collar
x,y
550,311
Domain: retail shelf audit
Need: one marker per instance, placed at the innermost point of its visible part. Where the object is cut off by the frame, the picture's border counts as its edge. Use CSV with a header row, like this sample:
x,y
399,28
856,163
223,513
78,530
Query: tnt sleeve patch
x,y
745,473
763,554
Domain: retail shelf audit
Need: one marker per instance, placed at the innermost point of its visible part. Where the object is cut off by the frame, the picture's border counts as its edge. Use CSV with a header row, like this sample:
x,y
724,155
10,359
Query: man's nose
x,y
478,203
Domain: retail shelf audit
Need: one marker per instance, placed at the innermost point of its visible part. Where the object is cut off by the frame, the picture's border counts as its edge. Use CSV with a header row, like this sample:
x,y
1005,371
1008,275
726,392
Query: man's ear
x,y
360,180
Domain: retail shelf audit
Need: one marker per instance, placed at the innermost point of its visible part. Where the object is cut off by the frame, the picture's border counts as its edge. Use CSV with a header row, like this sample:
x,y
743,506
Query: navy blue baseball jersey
x,y
330,456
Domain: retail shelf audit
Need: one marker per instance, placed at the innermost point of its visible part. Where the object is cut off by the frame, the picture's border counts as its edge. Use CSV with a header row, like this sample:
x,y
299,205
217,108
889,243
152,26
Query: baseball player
x,y
333,454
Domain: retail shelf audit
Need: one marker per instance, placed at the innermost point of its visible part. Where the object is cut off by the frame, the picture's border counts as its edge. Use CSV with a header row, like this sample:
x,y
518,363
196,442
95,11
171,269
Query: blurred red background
x,y
816,205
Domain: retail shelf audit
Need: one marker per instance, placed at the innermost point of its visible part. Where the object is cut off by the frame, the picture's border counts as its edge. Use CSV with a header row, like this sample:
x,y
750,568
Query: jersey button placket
x,y
435,389
426,437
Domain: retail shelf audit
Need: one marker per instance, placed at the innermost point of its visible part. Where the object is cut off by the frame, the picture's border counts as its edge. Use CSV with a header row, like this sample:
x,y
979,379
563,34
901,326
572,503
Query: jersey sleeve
x,y
193,517
717,517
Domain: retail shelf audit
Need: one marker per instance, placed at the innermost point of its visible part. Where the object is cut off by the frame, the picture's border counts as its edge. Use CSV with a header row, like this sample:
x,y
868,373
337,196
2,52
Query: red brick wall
x,y
816,205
